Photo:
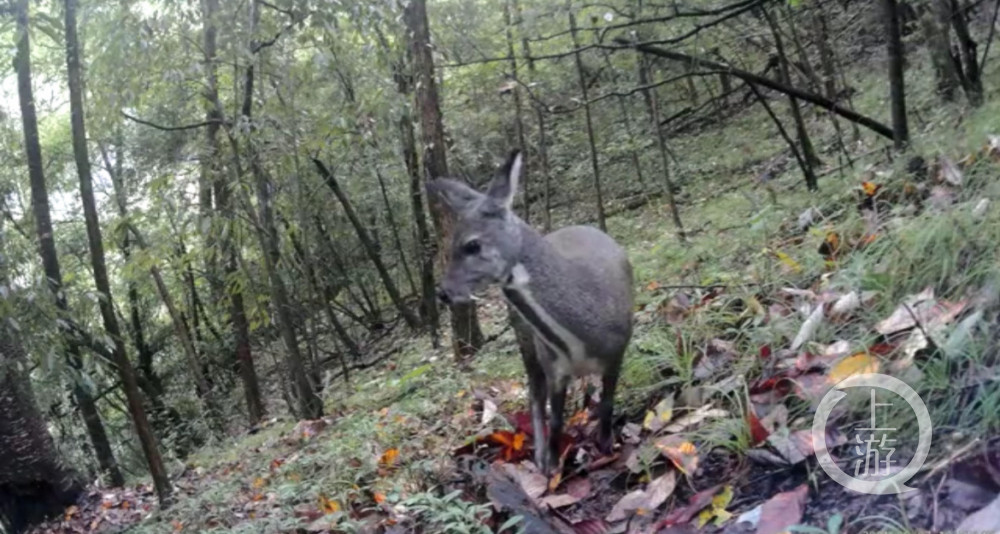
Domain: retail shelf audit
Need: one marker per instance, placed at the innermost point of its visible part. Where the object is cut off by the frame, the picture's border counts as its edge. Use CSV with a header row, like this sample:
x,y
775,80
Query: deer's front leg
x,y
557,397
537,391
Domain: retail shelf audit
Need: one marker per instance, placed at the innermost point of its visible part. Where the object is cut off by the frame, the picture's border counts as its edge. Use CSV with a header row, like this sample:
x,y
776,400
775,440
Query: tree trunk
x,y
508,6
827,59
223,204
394,228
467,337
897,93
369,245
582,75
937,32
808,152
96,244
653,107
184,335
47,247
543,151
310,404
35,484
425,245
972,80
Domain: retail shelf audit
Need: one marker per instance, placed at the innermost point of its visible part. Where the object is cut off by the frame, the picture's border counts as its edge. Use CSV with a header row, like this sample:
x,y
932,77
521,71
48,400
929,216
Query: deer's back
x,y
599,277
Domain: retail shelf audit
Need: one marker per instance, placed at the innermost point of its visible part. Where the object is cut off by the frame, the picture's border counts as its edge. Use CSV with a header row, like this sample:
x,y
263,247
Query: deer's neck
x,y
538,277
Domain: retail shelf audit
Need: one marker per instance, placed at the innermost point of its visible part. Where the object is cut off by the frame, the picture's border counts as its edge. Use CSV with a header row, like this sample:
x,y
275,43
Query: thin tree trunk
x,y
467,337
938,35
369,245
581,74
897,93
310,404
425,245
126,373
653,106
543,151
47,247
394,229
804,64
223,204
827,59
516,91
973,82
808,152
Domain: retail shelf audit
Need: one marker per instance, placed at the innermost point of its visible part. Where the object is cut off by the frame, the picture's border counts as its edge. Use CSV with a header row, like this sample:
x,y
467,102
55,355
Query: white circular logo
x,y
879,442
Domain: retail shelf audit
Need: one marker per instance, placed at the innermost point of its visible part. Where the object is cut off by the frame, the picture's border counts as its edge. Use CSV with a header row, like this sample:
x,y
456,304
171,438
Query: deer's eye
x,y
471,247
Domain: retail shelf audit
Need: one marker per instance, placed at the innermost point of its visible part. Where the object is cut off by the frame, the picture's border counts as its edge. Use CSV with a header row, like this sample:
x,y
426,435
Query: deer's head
x,y
486,237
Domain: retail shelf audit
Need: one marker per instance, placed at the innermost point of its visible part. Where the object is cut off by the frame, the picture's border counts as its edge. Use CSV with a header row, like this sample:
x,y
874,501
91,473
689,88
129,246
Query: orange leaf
x,y
258,483
870,188
328,506
178,526
70,512
126,505
653,286
276,463
379,498
681,452
389,457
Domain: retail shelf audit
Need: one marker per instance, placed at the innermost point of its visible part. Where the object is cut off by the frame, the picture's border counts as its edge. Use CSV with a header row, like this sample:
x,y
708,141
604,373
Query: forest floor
x,y
741,331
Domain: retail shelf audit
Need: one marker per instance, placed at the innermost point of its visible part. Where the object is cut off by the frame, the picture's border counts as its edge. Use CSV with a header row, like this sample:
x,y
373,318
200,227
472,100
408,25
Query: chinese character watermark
x,y
874,443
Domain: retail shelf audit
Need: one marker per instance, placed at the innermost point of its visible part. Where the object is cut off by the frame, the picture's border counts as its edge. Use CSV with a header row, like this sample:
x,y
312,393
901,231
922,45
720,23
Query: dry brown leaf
x,y
693,418
949,172
533,484
644,501
782,511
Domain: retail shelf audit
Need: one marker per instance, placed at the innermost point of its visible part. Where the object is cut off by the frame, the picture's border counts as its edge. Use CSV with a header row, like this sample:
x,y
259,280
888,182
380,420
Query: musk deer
x,y
571,291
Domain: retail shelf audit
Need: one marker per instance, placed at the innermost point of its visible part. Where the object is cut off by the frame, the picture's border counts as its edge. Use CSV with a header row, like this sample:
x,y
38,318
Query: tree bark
x,y
309,403
653,107
897,92
467,337
937,32
582,76
369,245
47,247
126,373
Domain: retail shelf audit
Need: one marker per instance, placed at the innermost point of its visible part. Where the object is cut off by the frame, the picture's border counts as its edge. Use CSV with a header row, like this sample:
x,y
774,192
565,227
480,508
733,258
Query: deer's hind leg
x,y
605,408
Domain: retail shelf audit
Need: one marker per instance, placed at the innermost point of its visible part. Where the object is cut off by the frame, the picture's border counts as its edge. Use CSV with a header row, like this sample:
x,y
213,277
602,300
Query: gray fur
x,y
570,291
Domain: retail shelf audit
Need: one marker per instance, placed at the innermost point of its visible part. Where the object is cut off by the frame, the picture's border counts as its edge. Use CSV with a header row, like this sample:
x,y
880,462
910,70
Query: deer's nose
x,y
442,295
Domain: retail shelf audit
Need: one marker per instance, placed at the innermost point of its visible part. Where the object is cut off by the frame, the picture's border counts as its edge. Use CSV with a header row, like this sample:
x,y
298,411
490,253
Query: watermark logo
x,y
876,471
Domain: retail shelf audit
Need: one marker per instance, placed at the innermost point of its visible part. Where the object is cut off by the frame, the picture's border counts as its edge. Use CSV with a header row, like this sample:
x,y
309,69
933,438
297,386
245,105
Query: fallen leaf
x,y
389,457
328,506
860,363
489,410
984,520
788,261
949,171
660,415
794,447
591,526
682,515
870,188
717,509
533,484
782,511
646,500
757,431
809,327
845,304
693,418
558,501
681,452
258,483
579,487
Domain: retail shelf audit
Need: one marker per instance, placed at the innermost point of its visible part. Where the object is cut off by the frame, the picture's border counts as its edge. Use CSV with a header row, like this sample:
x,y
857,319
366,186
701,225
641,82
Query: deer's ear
x,y
504,185
456,195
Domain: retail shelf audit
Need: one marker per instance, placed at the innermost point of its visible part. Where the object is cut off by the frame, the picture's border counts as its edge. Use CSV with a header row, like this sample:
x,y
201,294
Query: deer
x,y
569,295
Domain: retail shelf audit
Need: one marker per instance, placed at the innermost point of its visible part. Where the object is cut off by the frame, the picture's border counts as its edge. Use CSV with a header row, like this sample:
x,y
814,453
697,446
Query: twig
x,y
961,451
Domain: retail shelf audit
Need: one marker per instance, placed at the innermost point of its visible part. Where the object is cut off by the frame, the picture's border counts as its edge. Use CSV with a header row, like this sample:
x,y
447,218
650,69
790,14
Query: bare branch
x,y
170,128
